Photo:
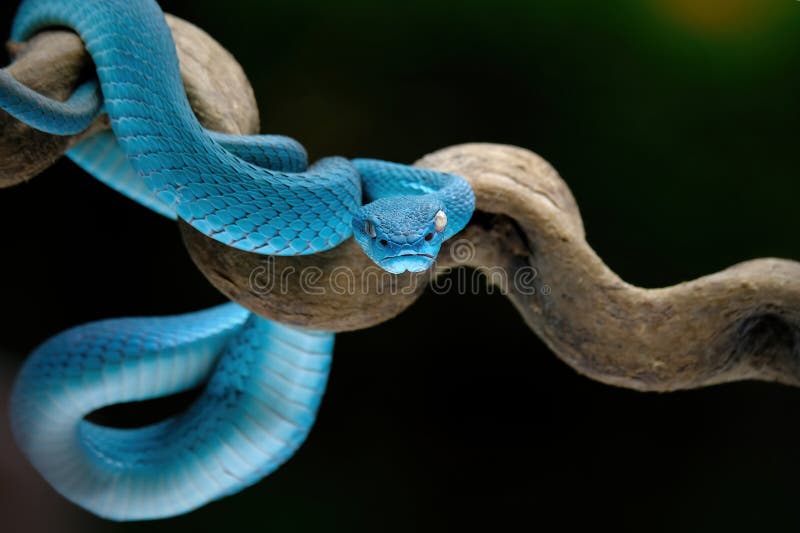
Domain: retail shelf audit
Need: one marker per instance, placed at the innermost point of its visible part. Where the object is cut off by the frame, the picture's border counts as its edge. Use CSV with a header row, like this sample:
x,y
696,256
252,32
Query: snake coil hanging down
x,y
263,381
255,411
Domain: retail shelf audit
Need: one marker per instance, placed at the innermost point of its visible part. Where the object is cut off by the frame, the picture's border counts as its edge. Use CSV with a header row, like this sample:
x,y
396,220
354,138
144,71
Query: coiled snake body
x,y
263,381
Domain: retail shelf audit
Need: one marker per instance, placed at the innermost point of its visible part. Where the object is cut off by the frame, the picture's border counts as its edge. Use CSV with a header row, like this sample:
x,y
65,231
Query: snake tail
x,y
262,384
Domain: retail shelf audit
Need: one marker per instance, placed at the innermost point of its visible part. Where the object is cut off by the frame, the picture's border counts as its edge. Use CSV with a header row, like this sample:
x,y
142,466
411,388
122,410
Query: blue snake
x,y
262,381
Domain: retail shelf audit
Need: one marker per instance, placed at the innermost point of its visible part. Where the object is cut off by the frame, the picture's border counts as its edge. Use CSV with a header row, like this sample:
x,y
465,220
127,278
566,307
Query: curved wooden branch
x,y
741,323
527,238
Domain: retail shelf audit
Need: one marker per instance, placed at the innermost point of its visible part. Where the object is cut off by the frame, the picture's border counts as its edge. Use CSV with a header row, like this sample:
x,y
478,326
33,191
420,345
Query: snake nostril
x,y
429,236
384,242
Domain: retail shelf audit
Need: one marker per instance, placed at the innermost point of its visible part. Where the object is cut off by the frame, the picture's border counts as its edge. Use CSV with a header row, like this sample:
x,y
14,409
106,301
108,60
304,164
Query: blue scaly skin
x,y
273,210
264,384
263,381
412,213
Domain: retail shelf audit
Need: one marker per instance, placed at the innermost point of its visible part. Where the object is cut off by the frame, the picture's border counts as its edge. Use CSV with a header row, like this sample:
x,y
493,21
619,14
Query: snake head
x,y
401,233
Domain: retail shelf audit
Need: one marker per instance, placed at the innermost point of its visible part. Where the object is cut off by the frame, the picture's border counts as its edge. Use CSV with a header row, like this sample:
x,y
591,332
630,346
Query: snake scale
x,y
262,381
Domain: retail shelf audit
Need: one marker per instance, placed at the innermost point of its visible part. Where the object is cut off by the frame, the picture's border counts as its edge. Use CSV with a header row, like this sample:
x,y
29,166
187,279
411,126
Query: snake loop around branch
x,y
740,323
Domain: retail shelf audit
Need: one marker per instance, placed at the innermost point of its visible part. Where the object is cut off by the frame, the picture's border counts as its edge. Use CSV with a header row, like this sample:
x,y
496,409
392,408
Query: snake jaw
x,y
398,257
411,262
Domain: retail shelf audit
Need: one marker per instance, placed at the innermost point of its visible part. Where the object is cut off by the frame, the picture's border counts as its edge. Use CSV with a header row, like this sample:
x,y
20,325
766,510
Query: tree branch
x,y
526,237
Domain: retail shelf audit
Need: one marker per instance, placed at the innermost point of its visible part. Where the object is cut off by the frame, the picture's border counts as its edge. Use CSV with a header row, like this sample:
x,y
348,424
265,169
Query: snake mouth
x,y
409,254
411,262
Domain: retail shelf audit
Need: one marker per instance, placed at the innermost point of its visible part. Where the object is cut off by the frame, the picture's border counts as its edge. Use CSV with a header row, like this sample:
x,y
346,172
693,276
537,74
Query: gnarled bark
x,y
527,236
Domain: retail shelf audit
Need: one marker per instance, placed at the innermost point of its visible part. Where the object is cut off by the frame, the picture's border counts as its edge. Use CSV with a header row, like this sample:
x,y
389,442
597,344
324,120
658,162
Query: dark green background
x,y
675,124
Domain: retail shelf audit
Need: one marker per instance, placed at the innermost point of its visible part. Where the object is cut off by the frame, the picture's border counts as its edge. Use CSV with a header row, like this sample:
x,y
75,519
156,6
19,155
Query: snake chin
x,y
410,262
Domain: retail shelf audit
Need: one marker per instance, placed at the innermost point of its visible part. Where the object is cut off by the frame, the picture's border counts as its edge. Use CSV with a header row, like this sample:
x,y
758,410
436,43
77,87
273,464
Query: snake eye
x,y
440,221
384,242
429,237
369,229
